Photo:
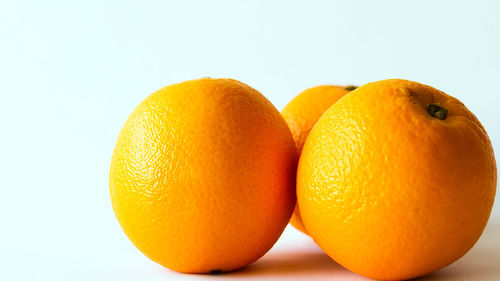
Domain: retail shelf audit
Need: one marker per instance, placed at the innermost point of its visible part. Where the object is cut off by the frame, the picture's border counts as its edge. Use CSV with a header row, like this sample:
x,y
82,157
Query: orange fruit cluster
x,y
393,180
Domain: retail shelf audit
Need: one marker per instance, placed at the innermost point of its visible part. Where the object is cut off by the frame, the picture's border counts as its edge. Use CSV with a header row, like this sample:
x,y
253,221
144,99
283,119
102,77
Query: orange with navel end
x,y
396,180
202,177
301,113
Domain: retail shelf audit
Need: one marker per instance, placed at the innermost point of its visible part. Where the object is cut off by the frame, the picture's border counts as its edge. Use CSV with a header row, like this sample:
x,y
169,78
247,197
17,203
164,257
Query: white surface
x,y
294,257
72,71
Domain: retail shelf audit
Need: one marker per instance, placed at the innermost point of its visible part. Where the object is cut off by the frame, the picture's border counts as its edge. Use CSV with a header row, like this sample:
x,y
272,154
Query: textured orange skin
x,y
390,192
203,176
301,113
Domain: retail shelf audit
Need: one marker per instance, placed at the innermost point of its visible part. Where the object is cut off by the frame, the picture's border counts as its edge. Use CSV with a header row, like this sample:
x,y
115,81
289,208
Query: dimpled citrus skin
x,y
389,191
301,113
202,177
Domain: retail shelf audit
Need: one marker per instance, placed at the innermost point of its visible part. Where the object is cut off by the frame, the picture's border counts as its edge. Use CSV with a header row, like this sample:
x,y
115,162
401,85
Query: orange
x,y
301,113
202,177
396,180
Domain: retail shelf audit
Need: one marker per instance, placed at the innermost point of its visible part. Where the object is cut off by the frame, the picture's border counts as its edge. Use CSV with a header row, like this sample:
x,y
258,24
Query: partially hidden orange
x,y
202,177
301,113
396,180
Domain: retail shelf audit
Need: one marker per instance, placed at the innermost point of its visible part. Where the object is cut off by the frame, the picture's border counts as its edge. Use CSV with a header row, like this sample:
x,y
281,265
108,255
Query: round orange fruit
x,y
202,177
301,113
396,180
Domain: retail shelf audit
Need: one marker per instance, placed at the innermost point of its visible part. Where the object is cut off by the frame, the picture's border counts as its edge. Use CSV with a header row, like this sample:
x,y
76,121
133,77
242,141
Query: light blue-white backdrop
x,y
72,71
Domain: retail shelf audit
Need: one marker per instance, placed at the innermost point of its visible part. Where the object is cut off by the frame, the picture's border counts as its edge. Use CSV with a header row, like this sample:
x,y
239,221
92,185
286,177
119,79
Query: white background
x,y
72,71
